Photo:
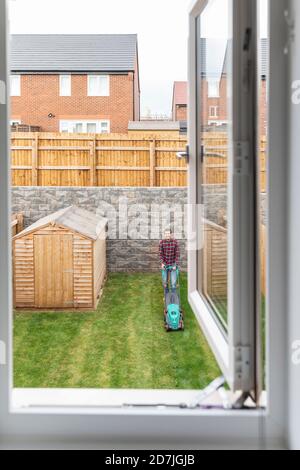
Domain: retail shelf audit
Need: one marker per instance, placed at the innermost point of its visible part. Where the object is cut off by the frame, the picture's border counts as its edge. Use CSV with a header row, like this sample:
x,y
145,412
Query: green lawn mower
x,y
173,314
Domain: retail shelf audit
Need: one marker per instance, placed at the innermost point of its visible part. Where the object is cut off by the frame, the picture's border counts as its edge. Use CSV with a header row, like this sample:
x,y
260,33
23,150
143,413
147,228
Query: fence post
x,y
35,151
152,163
20,219
93,179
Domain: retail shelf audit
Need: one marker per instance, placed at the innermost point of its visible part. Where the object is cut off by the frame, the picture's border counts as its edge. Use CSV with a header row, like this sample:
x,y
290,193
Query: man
x,y
169,257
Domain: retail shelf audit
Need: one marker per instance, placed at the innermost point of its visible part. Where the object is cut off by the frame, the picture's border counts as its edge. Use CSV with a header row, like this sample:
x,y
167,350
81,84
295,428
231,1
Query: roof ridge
x,y
61,212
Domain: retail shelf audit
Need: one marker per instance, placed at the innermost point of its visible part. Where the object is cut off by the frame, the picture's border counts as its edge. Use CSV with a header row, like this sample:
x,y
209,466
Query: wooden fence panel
x,y
169,170
215,262
63,162
21,146
122,162
47,159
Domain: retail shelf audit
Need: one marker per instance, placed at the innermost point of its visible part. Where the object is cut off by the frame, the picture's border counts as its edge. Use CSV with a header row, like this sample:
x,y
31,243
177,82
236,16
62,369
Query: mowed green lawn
x,y
121,345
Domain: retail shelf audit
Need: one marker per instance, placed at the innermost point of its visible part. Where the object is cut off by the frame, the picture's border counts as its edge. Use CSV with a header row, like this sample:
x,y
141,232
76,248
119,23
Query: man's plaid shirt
x,y
169,252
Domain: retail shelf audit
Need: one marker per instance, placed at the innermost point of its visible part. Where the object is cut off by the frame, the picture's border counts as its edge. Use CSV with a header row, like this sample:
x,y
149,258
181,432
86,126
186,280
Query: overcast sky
x,y
161,25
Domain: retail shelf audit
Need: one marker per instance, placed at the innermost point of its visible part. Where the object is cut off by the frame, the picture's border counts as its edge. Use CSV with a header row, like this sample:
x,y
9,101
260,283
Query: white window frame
x,y
213,112
236,351
64,123
213,88
94,427
16,89
68,92
99,93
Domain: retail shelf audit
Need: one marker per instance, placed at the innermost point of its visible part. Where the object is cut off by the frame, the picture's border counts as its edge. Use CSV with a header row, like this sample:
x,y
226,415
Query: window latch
x,y
198,402
184,155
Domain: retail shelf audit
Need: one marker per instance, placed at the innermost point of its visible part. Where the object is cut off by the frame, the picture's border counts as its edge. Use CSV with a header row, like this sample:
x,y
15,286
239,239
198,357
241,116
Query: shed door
x,y
53,261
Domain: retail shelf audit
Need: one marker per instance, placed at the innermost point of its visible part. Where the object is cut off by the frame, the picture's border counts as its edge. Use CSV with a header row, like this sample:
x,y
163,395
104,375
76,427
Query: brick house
x,y
180,100
214,95
75,83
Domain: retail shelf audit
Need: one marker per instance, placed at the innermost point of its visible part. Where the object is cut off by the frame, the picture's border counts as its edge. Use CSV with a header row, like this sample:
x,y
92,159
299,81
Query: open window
x,y
222,223
227,316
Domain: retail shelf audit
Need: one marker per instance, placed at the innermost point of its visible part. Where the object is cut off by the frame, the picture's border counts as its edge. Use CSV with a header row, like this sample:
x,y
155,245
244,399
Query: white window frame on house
x,y
103,85
65,85
15,85
64,426
68,125
213,112
14,121
213,88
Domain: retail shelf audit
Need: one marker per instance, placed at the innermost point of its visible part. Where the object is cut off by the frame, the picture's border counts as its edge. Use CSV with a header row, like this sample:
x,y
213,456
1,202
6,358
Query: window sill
x,y
111,401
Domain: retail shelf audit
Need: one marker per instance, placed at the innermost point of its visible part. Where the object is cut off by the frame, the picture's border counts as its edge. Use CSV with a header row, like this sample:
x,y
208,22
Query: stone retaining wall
x,y
136,216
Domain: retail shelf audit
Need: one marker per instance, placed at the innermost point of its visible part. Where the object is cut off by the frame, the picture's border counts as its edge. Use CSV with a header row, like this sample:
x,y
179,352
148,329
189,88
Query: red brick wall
x,y
40,96
181,113
137,93
221,103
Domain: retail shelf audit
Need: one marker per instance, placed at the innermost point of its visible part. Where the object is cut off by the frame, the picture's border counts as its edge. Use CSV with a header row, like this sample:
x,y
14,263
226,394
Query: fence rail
x,y
43,159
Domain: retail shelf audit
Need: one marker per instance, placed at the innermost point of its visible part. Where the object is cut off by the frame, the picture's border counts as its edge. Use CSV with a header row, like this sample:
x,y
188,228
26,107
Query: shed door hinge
x,y
241,158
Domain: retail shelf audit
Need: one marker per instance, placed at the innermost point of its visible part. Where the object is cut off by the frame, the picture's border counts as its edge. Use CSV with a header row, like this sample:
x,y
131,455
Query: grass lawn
x,y
121,345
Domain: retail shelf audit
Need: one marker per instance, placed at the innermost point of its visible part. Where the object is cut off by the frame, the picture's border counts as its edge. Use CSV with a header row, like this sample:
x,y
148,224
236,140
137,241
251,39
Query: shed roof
x,y
73,218
39,53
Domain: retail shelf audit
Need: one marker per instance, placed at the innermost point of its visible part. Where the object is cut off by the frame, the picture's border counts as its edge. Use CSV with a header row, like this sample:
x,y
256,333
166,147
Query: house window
x,y
15,85
213,88
86,126
91,127
98,85
213,111
65,85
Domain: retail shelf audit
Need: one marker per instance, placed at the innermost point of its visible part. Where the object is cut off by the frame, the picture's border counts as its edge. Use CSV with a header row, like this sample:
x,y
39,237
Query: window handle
x,y
202,153
184,155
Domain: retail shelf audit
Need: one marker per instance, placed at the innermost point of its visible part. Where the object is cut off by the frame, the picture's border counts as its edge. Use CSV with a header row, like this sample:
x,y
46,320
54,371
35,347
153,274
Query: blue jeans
x,y
169,275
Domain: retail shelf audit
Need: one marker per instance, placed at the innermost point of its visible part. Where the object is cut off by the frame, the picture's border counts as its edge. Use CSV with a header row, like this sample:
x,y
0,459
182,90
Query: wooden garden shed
x,y
59,262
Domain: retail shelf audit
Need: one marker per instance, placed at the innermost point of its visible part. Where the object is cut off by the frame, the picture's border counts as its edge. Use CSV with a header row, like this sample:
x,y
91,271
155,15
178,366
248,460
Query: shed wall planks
x,y
58,268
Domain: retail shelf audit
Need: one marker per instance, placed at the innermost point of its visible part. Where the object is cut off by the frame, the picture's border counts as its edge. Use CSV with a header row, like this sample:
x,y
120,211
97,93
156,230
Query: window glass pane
x,y
213,88
93,85
213,111
263,58
104,85
79,127
104,127
213,75
65,85
15,85
98,85
64,126
91,127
